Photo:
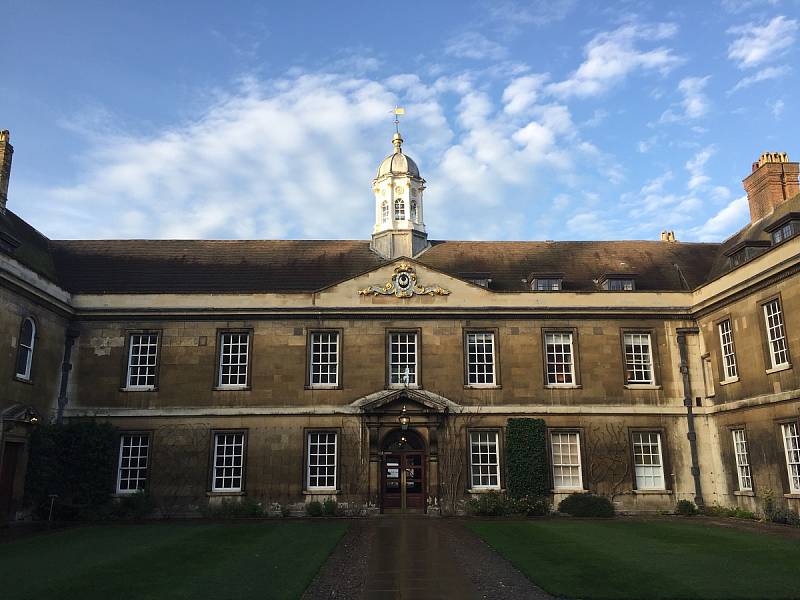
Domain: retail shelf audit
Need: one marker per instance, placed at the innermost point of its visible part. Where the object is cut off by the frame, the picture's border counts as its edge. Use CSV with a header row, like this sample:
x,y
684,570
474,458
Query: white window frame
x,y
397,369
639,360
776,334
566,462
399,209
485,445
480,363
546,284
228,445
790,432
648,475
317,341
314,444
556,338
155,357
743,473
136,468
227,359
27,348
730,370
619,284
385,214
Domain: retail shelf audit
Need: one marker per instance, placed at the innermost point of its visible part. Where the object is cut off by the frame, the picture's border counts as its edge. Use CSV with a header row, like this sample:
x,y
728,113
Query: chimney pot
x,y
6,152
773,181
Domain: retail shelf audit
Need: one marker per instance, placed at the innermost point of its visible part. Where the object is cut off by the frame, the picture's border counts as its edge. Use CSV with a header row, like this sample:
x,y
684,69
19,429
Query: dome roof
x,y
397,162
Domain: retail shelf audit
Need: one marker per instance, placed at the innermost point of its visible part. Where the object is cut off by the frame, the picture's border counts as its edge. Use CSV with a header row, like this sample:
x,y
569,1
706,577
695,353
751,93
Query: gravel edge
x,y
344,574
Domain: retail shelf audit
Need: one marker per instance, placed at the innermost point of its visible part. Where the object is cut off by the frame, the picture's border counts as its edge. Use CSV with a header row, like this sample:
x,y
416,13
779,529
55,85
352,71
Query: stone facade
x,y
371,415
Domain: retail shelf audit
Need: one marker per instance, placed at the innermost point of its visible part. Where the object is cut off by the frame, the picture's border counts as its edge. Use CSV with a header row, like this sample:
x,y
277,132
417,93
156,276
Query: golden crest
x,y
403,284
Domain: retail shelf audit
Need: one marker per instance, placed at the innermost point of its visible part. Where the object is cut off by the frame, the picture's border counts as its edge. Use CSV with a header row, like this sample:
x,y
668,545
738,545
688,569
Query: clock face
x,y
399,189
403,281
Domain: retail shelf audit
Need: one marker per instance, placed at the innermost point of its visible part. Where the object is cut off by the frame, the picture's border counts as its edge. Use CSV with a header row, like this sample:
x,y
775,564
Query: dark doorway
x,y
403,472
12,452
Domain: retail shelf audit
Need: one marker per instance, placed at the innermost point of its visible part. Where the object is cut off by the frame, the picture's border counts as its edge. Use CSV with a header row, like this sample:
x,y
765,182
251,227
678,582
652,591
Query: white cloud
x,y
529,12
776,108
522,93
475,46
762,75
612,56
696,167
756,44
695,103
739,6
727,221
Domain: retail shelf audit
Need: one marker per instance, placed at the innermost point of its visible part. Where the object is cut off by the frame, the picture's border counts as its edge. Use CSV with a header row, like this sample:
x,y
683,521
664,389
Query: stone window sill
x,y
653,492
779,368
642,386
478,386
25,380
321,492
563,386
484,490
793,496
221,493
403,386
317,386
729,381
138,389
232,388
749,493
569,491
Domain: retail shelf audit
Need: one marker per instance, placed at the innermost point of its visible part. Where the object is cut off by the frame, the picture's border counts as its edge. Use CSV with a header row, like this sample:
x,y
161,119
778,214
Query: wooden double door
x,y
403,482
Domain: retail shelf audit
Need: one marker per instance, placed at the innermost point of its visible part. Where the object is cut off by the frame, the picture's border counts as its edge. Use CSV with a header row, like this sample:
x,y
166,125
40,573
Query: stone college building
x,y
383,372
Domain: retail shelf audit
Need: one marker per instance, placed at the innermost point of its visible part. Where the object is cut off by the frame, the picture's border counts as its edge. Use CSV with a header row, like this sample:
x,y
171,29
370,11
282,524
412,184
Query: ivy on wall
x,y
527,470
77,462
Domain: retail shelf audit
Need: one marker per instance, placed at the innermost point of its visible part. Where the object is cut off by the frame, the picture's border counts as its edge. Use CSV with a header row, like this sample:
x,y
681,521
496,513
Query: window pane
x,y
566,461
228,462
142,360
558,352
484,462
321,460
638,358
325,358
776,334
647,460
27,335
742,461
403,358
480,359
233,359
132,468
791,442
728,356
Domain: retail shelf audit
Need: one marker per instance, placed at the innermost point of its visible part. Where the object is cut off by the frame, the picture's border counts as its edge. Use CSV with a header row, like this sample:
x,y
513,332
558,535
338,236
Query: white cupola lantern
x,y
399,226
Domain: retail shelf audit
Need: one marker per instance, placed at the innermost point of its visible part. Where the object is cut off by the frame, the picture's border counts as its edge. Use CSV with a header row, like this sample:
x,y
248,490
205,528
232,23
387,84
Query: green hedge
x,y
527,470
76,461
586,505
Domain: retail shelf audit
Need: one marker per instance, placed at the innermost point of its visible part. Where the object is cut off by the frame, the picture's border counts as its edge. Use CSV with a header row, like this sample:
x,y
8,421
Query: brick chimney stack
x,y
6,152
774,180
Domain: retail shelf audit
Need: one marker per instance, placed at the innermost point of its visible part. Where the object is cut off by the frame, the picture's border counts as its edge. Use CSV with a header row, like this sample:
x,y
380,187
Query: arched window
x,y
27,338
399,210
414,210
385,212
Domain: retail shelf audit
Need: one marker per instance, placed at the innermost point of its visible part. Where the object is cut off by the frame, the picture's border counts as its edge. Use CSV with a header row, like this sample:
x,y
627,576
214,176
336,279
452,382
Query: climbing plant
x,y
527,473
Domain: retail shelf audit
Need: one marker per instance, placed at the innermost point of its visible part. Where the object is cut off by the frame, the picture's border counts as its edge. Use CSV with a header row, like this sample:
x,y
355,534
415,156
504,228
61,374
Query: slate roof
x,y
250,266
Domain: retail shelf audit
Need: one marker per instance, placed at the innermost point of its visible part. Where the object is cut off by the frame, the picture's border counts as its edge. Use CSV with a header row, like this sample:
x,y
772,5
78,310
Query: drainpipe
x,y
66,366
687,402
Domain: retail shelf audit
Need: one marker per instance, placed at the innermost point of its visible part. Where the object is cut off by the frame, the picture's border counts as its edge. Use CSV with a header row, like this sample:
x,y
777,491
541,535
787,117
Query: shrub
x,y
233,509
686,508
527,470
490,504
586,505
77,462
133,506
725,512
314,509
330,508
530,507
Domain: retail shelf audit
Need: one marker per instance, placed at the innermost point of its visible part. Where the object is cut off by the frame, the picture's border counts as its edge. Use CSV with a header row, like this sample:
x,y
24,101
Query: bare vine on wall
x,y
183,451
355,468
453,461
608,463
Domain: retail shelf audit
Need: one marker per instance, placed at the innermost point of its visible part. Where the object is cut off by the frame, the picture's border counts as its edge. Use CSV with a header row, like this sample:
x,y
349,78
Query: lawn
x,y
169,560
629,559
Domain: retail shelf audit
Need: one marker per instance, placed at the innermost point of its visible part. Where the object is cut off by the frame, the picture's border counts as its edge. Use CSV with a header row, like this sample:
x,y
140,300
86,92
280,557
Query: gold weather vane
x,y
397,111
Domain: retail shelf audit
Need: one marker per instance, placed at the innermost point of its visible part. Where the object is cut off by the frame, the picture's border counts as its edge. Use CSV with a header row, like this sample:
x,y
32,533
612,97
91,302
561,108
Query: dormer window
x,y
618,283
745,251
481,279
546,284
785,228
399,210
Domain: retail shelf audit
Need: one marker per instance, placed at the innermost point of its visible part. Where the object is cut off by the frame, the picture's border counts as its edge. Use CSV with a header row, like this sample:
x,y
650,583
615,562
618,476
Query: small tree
x,y
527,472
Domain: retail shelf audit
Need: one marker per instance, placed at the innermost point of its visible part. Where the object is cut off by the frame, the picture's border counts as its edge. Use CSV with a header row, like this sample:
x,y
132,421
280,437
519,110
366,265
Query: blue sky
x,y
530,120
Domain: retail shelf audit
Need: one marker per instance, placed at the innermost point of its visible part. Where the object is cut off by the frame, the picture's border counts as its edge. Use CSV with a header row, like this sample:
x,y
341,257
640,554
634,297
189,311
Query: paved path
x,y
420,558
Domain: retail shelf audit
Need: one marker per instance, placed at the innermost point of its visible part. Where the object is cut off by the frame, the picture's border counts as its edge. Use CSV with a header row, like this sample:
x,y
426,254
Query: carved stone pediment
x,y
403,284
